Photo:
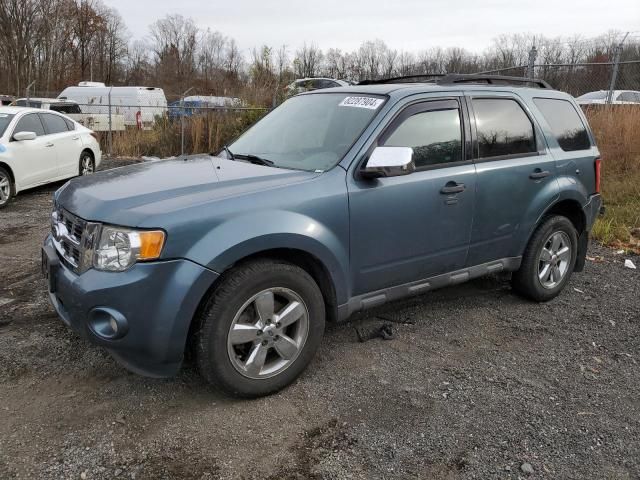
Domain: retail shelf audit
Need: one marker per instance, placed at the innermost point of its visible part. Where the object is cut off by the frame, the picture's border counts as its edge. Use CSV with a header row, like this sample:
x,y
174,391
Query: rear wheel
x,y
87,163
260,328
6,187
548,261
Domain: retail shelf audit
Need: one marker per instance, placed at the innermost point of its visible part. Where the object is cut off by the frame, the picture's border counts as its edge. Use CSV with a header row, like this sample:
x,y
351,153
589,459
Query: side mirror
x,y
20,136
389,162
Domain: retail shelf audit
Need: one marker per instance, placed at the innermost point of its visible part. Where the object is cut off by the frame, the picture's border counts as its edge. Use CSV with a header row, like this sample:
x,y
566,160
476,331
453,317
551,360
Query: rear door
x,y
416,226
68,144
516,176
35,160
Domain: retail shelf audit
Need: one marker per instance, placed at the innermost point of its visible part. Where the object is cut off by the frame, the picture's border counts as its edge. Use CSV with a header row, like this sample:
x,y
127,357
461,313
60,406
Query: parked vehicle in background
x,y
38,147
139,106
619,97
98,122
337,201
200,104
308,84
55,104
5,100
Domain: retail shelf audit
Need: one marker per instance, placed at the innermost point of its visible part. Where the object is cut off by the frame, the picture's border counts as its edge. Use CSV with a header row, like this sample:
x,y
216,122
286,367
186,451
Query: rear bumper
x,y
153,303
592,209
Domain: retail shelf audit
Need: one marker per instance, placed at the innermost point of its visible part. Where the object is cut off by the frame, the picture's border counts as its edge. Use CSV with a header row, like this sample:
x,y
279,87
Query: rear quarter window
x,y
566,125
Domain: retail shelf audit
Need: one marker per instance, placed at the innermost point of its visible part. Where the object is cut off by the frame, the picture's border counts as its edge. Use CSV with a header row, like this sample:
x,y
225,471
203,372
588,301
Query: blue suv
x,y
337,201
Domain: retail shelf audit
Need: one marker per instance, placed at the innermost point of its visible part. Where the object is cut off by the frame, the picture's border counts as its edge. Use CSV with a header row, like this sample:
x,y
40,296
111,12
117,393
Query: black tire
x,y
236,288
526,280
88,156
6,177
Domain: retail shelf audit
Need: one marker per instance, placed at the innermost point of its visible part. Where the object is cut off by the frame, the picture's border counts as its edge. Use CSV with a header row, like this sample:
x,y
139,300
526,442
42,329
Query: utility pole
x,y
182,112
110,125
29,88
616,65
533,53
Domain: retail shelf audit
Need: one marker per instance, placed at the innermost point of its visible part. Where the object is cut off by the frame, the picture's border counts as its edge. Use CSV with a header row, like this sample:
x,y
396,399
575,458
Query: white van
x,y
140,106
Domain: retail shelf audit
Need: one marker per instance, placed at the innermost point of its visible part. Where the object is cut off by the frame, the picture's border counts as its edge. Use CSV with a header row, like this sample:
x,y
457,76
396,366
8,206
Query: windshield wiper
x,y
228,152
255,159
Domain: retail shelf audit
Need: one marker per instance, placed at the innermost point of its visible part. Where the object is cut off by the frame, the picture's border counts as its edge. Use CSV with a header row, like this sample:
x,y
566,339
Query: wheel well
x,y
310,264
302,259
89,151
8,169
573,211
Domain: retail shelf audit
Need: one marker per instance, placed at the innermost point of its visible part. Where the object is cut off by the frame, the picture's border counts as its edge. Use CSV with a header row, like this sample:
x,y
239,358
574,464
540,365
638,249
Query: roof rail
x,y
453,78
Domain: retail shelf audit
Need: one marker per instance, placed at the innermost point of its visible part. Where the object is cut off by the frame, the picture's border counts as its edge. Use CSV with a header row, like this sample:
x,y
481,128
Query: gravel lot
x,y
478,383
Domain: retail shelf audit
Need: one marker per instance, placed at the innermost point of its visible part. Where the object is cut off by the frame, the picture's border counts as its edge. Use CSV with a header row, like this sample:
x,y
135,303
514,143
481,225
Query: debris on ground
x,y
527,468
596,259
369,332
629,264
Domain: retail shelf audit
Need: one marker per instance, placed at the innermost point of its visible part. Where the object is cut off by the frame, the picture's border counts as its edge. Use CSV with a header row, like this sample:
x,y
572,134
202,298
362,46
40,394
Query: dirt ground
x,y
478,383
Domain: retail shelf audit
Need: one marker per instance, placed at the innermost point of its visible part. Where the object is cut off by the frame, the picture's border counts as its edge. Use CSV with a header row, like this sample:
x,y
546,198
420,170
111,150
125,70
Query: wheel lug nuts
x,y
259,332
264,343
278,324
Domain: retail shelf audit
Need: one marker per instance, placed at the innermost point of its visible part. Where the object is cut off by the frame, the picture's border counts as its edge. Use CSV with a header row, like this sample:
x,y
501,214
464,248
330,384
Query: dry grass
x,y
617,131
203,133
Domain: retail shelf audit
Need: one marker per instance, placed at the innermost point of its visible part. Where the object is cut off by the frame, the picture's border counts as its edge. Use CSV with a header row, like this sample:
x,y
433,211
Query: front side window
x,y
565,123
309,132
434,135
53,123
5,120
628,97
503,128
30,123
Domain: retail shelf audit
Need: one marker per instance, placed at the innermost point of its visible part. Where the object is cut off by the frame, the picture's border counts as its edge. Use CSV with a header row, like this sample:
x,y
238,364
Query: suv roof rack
x,y
453,78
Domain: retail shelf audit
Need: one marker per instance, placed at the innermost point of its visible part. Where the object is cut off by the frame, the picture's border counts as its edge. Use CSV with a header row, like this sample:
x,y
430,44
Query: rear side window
x,y
434,135
30,123
54,123
503,128
565,123
629,97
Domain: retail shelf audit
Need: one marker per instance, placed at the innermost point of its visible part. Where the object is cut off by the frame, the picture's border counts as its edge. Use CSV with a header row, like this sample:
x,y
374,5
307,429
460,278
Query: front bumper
x,y
156,300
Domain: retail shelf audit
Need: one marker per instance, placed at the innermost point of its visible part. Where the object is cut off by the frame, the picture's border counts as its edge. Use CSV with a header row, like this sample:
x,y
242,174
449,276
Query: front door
x,y
411,227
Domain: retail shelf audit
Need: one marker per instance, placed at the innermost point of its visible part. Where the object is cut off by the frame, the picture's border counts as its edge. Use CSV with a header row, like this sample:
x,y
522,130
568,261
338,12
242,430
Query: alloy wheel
x,y
268,333
553,263
5,188
86,165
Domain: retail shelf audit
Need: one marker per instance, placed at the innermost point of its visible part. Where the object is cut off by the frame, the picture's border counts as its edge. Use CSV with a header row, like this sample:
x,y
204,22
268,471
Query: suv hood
x,y
127,195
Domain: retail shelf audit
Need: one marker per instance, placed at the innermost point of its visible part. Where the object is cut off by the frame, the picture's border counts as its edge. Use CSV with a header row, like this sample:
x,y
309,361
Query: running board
x,y
377,298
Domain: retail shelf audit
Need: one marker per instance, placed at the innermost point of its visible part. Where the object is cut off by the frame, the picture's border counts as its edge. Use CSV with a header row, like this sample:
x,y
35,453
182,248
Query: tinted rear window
x,y
565,123
503,128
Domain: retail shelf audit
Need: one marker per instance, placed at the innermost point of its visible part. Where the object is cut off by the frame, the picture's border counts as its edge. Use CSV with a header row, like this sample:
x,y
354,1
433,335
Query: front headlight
x,y
119,248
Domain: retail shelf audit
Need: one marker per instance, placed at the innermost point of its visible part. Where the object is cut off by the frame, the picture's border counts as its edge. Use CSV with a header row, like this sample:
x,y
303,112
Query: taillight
x,y
597,169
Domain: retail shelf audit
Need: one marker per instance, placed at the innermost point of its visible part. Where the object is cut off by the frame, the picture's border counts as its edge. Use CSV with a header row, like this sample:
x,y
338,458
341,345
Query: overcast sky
x,y
403,24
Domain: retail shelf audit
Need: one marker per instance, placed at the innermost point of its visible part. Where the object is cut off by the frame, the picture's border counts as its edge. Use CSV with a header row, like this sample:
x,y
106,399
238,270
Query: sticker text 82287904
x,y
362,102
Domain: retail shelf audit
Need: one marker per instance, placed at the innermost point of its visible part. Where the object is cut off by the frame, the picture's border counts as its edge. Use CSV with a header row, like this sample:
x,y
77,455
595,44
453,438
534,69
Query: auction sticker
x,y
362,102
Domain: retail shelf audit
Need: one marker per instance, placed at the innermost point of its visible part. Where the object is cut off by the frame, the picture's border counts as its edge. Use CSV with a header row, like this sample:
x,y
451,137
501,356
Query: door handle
x,y
75,138
452,187
49,145
537,174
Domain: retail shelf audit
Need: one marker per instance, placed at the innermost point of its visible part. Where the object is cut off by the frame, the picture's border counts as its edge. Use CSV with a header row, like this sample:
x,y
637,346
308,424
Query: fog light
x,y
107,323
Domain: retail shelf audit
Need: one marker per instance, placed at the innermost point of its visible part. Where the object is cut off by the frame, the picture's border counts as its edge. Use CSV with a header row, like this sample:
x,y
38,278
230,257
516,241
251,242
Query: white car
x,y
619,97
40,146
307,84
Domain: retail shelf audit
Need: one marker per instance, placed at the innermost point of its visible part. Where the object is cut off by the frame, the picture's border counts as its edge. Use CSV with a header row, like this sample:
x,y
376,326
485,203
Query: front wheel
x,y
87,164
548,261
260,328
6,187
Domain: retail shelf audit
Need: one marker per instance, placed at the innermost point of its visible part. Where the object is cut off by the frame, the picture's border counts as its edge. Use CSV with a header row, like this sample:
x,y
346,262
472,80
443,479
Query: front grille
x,y
68,232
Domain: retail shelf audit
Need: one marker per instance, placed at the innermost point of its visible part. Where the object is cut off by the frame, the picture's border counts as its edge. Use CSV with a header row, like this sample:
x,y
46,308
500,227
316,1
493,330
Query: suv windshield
x,y
5,120
309,132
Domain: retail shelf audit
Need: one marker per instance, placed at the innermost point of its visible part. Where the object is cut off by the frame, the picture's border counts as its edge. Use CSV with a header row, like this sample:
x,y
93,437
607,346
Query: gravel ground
x,y
477,383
